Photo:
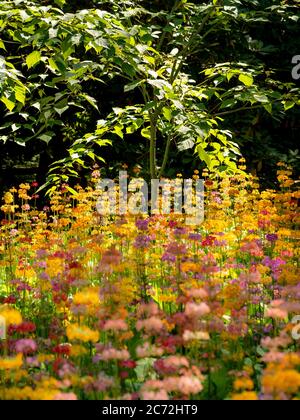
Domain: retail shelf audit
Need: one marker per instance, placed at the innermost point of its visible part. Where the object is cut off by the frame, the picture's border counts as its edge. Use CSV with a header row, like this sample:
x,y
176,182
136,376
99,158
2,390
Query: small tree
x,y
51,56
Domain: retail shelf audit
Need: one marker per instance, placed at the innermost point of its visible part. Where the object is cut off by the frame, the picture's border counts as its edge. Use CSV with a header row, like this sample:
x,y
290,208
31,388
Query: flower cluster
x,y
141,307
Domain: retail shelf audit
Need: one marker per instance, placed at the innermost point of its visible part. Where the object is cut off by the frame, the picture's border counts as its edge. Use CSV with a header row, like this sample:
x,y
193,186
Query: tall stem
x,y
153,137
154,115
166,157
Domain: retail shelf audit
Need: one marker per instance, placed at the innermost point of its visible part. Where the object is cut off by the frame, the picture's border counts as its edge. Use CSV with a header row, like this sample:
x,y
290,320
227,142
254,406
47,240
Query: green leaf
x,y
128,69
132,86
268,108
60,111
8,103
46,137
146,132
71,190
92,101
288,105
204,156
228,103
60,3
20,94
33,59
118,130
261,98
186,144
2,46
167,113
247,79
53,64
221,157
216,146
131,129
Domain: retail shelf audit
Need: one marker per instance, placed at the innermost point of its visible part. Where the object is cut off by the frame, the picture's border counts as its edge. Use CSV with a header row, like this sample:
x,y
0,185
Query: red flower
x,y
10,299
58,364
128,364
25,327
209,241
63,349
124,374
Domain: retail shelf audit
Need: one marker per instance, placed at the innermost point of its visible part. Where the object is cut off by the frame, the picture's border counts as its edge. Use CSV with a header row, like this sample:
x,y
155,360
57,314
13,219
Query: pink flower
x,y
26,346
176,361
185,385
116,325
101,384
147,350
151,325
253,248
274,343
197,293
171,364
253,276
112,354
194,310
197,335
154,390
150,309
277,310
155,396
277,313
273,357
189,385
70,396
26,207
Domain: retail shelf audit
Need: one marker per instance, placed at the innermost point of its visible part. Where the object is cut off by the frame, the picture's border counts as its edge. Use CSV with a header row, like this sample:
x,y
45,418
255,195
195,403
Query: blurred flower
x,y
11,363
25,346
195,310
82,333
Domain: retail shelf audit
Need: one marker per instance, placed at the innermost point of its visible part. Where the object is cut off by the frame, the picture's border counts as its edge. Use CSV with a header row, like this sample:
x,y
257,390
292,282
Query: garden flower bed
x,y
147,307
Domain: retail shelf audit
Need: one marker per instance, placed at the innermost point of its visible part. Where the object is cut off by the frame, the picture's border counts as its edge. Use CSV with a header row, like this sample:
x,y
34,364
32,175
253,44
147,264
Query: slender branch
x,y
233,111
166,156
153,137
154,115
184,53
174,74
163,37
145,94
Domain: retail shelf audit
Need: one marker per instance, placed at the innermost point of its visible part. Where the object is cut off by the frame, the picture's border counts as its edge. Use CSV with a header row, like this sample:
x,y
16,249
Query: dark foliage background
x,y
264,139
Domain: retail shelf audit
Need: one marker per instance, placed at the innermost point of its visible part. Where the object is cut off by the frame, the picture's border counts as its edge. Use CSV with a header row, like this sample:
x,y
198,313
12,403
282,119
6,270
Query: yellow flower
x,y
245,396
8,198
89,297
20,374
289,275
24,186
42,358
287,381
78,350
11,363
243,383
11,316
25,272
82,333
190,267
55,266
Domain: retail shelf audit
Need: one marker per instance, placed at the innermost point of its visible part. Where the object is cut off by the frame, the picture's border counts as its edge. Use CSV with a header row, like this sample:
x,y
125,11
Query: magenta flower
x,y
271,237
25,346
142,241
